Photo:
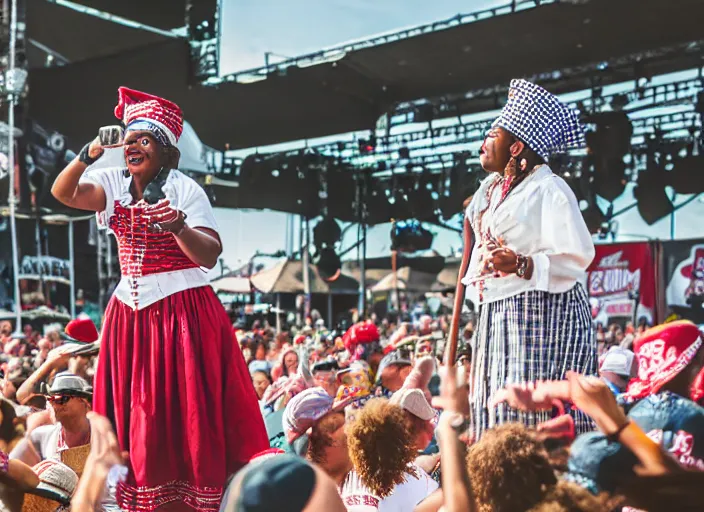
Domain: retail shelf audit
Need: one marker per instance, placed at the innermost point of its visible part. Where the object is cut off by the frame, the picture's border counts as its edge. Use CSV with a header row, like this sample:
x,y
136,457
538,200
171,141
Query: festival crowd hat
x,y
307,408
663,352
67,383
284,483
80,330
540,120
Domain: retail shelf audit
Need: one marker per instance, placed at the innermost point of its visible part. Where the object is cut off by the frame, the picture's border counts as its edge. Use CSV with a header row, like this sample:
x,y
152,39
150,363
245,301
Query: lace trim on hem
x,y
148,499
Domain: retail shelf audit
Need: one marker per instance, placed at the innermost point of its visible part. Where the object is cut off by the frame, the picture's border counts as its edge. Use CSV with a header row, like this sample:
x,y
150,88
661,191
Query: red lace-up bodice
x,y
141,251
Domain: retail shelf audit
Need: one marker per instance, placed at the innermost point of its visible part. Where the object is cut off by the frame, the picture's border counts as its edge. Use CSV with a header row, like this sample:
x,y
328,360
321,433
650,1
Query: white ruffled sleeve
x,y
111,181
568,248
186,195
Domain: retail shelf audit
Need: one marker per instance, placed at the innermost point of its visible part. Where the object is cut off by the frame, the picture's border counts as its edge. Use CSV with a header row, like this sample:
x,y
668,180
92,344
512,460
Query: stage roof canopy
x,y
353,92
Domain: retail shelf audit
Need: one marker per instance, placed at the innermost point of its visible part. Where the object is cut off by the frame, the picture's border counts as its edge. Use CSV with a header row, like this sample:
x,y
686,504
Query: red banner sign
x,y
621,283
684,274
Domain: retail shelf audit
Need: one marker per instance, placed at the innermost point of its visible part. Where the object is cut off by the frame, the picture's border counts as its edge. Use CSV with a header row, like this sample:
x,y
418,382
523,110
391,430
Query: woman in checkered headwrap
x,y
531,250
171,377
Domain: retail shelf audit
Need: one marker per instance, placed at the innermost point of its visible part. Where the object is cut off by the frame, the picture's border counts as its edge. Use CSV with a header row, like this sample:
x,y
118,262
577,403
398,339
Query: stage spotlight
x,y
607,145
410,236
686,177
328,263
326,232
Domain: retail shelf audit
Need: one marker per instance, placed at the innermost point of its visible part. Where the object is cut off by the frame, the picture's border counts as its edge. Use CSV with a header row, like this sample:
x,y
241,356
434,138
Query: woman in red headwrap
x,y
171,376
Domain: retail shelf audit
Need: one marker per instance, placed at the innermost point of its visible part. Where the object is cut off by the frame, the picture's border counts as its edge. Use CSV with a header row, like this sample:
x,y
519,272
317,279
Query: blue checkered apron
x,y
531,336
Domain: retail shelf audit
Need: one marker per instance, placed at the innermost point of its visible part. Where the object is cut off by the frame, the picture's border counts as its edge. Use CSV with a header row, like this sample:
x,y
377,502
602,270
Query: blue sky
x,y
295,27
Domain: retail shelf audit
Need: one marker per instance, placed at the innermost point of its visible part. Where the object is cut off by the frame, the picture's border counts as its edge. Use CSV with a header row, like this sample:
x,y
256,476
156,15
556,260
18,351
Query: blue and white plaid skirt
x,y
526,338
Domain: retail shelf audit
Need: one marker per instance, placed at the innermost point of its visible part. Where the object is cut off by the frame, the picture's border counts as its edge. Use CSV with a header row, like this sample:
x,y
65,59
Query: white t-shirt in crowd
x,y
405,496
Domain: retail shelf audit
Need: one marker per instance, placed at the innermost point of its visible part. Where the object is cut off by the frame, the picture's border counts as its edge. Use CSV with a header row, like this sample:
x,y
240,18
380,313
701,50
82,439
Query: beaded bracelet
x,y
521,265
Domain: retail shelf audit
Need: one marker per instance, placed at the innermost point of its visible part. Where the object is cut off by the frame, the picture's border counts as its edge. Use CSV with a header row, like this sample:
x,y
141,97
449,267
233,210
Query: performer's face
x,y
142,154
496,150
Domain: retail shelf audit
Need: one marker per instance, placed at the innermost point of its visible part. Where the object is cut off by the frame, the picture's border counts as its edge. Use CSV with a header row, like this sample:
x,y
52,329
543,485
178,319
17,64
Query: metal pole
x,y
672,216
363,275
38,243
330,310
71,268
306,272
300,236
11,167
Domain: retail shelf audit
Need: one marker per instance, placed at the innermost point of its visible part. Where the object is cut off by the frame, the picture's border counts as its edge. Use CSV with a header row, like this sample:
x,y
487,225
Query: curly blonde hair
x,y
509,469
381,446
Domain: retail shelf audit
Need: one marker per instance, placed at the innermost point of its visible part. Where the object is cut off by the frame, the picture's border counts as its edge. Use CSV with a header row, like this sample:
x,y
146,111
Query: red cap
x,y
136,105
360,334
82,330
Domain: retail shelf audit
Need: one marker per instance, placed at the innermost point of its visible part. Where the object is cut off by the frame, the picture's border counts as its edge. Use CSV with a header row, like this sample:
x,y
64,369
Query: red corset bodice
x,y
141,251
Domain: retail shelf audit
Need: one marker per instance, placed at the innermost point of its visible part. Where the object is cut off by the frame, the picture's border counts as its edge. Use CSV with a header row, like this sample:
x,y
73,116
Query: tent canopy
x,y
405,279
232,285
287,277
446,280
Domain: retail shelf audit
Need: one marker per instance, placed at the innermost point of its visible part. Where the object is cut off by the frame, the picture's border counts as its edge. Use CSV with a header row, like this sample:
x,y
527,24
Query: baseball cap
x,y
397,357
598,464
413,401
304,410
619,361
284,483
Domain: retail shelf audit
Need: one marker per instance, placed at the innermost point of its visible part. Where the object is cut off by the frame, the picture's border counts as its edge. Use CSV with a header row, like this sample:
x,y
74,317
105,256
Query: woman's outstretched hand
x,y
164,218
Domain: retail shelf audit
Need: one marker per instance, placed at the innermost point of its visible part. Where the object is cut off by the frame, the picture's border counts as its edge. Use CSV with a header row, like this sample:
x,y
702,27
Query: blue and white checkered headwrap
x,y
139,125
540,120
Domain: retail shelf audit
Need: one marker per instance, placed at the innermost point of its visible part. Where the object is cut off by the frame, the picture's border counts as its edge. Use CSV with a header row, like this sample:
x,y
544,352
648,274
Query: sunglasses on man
x,y
59,399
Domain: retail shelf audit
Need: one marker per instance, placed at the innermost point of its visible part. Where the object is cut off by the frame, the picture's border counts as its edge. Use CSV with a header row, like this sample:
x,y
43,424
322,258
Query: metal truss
x,y
595,75
337,52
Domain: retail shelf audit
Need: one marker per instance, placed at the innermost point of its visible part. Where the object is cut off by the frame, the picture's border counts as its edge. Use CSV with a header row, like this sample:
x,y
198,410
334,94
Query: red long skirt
x,y
173,381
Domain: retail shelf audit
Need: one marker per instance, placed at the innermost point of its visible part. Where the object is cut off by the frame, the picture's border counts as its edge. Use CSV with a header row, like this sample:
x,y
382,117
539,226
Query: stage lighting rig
x,y
653,203
686,177
410,236
326,234
607,146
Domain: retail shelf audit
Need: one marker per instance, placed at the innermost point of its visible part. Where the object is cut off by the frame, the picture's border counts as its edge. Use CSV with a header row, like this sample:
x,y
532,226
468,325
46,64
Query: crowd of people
x,y
373,419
